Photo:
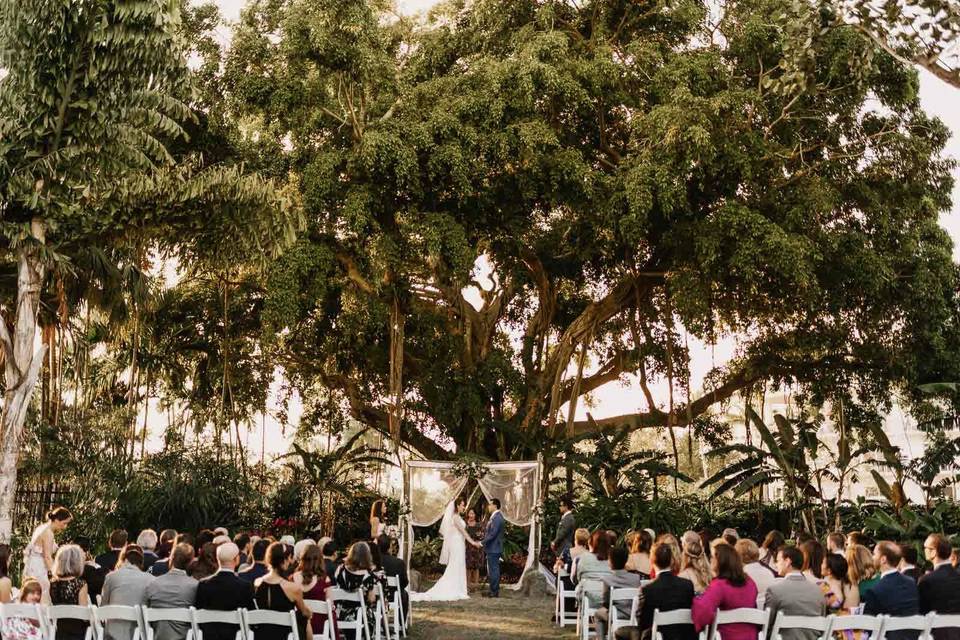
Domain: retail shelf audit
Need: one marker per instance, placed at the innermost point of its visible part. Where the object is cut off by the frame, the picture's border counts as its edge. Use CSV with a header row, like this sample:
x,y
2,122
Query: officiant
x,y
568,524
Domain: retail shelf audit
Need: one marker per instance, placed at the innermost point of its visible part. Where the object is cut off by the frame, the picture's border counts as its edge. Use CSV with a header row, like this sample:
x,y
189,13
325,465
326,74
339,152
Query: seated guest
x,y
68,587
939,590
908,561
594,564
861,569
666,592
619,578
639,560
126,586
165,544
855,538
730,536
839,594
730,589
147,540
794,595
330,562
273,592
310,577
894,594
394,567
300,547
224,591
693,563
108,560
812,560
836,543
18,628
242,540
355,575
173,590
761,576
93,574
259,567
769,550
205,564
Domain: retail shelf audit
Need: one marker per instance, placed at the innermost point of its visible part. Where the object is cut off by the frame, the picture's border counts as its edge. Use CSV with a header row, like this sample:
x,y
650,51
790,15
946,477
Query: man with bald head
x,y
224,591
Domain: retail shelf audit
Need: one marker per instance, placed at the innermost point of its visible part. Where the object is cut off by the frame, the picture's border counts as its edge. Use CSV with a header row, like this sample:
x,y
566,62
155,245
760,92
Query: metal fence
x,y
34,499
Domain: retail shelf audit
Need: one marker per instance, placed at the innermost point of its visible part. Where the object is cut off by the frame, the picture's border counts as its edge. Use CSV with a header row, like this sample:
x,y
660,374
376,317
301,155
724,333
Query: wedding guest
x,y
855,538
770,548
730,589
224,591
894,594
836,543
330,561
731,536
93,574
6,585
563,541
205,564
639,560
242,540
166,543
475,559
838,592
205,537
117,541
396,568
356,575
67,587
861,569
619,578
761,576
793,595
315,584
126,586
20,628
693,564
908,562
595,564
147,540
378,519
259,567
273,592
939,590
173,590
299,548
812,560
38,554
666,592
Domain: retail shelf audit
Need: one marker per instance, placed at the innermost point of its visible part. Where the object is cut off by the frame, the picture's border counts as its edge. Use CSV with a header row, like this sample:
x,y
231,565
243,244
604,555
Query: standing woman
x,y
6,586
38,555
475,559
378,519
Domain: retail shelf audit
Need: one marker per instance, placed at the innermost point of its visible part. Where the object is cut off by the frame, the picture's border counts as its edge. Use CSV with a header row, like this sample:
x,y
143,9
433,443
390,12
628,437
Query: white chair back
x,y
59,612
322,608
870,624
118,613
154,615
820,624
920,624
757,617
563,609
211,616
21,610
945,621
616,619
669,619
587,610
359,626
287,619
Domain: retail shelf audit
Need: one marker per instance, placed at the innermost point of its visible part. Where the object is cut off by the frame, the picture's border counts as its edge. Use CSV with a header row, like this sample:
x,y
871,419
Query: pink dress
x,y
723,596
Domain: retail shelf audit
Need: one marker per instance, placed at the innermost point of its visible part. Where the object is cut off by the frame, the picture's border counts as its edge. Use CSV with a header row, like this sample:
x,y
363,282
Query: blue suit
x,y
895,595
493,546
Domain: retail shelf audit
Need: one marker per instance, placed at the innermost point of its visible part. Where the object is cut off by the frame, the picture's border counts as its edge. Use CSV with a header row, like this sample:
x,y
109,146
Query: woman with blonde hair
x,y
693,563
639,545
860,569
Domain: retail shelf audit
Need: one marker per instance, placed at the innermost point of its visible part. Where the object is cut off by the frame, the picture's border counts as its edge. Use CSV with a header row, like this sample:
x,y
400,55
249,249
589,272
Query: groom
x,y
493,546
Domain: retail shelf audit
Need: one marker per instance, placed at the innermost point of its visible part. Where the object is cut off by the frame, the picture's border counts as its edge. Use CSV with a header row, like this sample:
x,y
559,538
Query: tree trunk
x,y
21,368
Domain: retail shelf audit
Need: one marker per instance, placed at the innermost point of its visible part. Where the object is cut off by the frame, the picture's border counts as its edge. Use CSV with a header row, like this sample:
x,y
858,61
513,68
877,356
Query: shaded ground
x,y
509,617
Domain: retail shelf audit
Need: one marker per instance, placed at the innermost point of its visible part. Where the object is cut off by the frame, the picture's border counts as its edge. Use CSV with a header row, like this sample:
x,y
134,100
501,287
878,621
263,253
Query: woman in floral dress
x,y
475,557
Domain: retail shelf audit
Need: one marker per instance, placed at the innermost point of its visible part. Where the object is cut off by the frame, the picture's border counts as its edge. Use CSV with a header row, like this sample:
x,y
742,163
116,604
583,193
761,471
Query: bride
x,y
452,585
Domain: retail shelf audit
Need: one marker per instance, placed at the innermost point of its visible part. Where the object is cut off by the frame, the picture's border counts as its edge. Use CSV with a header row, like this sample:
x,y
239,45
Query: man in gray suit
x,y
126,586
793,594
620,578
173,590
568,525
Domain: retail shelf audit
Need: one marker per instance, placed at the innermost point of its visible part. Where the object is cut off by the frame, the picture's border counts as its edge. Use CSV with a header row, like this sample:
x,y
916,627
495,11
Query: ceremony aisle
x,y
509,617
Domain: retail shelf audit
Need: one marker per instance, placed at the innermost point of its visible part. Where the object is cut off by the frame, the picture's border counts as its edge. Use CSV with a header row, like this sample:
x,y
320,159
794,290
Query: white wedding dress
x,y
452,585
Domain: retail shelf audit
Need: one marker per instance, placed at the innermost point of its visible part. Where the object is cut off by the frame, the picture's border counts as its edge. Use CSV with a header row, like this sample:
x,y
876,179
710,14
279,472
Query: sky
x,y
938,99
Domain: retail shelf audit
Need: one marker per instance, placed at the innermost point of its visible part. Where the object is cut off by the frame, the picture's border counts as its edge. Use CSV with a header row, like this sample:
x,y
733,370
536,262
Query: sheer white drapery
x,y
429,486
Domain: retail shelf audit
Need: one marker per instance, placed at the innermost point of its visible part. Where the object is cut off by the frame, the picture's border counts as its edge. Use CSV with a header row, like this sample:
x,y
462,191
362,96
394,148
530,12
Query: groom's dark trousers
x,y
493,573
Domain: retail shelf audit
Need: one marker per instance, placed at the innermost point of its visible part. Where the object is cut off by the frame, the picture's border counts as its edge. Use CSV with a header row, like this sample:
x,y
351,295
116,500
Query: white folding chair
x,y
359,626
322,608
211,616
380,613
32,612
395,613
670,618
564,615
945,621
920,624
151,616
757,617
614,619
118,613
253,618
57,612
587,611
869,624
820,624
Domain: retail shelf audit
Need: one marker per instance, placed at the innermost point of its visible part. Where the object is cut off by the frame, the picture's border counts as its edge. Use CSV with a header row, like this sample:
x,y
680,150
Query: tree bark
x,y
21,368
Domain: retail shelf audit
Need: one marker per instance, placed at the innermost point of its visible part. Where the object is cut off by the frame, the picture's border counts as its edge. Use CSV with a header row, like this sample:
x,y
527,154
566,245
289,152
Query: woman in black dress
x,y
67,587
475,557
273,592
356,575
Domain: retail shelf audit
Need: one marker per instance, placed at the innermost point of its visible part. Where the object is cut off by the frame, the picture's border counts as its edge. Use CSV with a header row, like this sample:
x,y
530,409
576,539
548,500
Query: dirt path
x,y
509,617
